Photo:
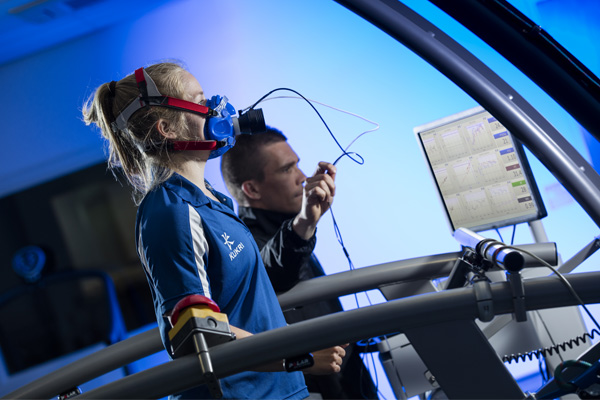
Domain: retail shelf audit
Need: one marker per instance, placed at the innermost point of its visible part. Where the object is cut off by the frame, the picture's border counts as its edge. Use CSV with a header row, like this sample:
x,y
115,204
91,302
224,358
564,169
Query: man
x,y
282,207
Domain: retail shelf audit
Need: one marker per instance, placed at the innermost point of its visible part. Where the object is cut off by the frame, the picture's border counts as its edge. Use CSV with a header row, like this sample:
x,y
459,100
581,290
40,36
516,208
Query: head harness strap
x,y
146,85
150,96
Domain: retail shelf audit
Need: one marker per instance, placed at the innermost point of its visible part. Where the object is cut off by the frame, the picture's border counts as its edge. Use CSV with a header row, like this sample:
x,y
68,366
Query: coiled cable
x,y
550,350
556,348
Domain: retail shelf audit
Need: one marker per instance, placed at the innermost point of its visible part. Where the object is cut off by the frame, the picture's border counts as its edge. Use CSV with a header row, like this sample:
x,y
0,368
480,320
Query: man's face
x,y
281,189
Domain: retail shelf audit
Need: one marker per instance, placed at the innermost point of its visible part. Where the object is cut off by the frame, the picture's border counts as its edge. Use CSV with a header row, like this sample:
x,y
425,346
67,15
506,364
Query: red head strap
x,y
150,96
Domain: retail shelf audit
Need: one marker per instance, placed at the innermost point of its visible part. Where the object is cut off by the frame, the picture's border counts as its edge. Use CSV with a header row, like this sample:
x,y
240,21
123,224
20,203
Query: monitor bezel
x,y
539,210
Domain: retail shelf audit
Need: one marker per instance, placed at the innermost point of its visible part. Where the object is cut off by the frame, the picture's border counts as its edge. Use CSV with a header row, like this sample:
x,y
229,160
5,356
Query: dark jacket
x,y
289,259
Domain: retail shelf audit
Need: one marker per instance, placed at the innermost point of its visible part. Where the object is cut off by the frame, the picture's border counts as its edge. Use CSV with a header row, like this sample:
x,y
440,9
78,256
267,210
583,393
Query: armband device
x,y
197,325
298,363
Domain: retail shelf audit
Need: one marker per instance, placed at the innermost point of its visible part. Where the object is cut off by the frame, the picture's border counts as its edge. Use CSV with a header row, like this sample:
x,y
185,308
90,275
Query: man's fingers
x,y
325,168
319,191
325,182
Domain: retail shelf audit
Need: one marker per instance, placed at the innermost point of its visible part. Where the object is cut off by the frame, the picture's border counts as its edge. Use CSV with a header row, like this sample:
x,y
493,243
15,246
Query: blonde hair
x,y
139,150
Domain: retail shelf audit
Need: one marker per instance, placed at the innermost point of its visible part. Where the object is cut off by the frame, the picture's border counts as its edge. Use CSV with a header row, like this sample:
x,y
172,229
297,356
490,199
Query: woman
x,y
161,130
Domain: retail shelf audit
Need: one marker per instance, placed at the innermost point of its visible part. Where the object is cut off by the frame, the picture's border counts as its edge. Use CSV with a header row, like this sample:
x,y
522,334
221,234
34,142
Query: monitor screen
x,y
480,170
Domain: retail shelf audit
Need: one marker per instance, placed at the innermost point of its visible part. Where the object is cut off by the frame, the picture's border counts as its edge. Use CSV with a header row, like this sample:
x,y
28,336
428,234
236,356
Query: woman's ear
x,y
164,128
251,190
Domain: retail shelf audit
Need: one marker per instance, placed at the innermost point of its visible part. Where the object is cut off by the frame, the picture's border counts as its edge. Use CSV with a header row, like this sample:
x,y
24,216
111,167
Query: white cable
x,y
333,108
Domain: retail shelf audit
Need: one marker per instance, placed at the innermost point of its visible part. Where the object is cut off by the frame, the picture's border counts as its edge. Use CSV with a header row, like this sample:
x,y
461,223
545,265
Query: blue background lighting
x,y
387,209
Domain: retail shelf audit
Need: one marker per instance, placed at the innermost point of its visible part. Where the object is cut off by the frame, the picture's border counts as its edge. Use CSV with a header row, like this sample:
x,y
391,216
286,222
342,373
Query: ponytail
x,y
140,150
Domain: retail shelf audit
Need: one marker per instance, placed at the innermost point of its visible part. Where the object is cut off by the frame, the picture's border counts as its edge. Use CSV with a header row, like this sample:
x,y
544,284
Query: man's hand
x,y
319,191
327,361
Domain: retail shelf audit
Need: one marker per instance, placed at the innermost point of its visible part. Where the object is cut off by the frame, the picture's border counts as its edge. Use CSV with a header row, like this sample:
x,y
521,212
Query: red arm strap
x,y
192,300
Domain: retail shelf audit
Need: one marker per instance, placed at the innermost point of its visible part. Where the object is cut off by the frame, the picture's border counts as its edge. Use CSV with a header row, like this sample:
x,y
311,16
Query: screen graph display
x,y
480,171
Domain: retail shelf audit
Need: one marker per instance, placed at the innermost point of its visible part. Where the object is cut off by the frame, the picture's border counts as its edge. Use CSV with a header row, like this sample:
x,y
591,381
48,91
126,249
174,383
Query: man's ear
x,y
164,128
251,190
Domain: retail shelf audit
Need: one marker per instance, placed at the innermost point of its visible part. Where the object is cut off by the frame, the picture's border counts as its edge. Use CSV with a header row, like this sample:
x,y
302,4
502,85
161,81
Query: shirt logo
x,y
225,237
236,250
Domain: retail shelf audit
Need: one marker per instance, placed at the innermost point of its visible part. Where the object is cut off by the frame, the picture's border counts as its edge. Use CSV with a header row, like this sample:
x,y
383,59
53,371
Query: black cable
x,y
564,384
344,152
543,369
547,331
512,239
360,160
338,235
372,357
564,280
557,348
549,351
499,234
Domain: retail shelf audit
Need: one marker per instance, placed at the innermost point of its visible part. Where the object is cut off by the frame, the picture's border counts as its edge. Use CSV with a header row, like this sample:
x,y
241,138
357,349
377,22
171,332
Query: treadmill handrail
x,y
349,326
372,277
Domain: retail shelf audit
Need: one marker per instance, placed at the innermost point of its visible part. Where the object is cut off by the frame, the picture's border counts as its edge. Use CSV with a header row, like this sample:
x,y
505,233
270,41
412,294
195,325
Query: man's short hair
x,y
243,162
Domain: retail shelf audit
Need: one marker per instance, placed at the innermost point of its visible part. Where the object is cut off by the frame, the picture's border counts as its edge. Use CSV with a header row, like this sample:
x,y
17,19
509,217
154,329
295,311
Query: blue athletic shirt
x,y
190,244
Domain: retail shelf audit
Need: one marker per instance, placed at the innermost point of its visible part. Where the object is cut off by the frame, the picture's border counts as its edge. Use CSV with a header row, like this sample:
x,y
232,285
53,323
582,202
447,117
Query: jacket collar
x,y
271,220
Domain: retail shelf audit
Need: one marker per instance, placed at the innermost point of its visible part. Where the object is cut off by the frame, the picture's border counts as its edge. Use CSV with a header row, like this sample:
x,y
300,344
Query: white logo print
x,y
236,250
225,237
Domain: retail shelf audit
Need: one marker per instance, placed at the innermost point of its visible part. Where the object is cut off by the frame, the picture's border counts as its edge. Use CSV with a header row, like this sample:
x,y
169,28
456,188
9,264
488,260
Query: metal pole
x,y
388,274
326,287
349,326
92,366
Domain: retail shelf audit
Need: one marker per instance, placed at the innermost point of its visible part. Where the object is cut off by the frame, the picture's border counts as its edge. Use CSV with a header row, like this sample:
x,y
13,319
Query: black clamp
x,y
485,302
518,294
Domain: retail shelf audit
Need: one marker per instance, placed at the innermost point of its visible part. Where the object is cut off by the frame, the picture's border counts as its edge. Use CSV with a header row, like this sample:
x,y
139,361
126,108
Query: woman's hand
x,y
327,361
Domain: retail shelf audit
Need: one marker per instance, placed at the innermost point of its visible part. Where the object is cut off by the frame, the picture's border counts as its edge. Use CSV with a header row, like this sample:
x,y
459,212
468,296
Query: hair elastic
x,y
112,87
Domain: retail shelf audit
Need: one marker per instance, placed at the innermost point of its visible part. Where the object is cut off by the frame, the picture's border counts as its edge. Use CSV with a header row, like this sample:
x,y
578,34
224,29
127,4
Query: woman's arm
x,y
327,361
